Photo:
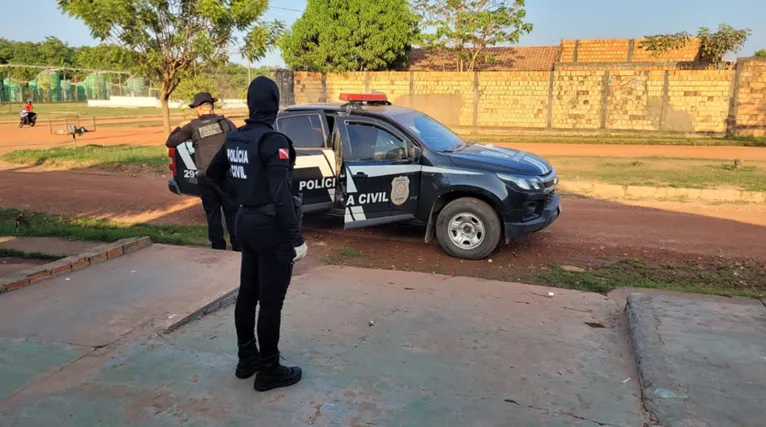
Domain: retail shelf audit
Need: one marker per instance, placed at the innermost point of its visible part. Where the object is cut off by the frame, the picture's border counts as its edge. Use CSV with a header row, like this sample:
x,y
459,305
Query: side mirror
x,y
415,153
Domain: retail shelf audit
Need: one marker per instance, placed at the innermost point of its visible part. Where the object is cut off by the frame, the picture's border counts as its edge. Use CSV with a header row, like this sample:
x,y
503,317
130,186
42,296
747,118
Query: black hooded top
x,y
260,161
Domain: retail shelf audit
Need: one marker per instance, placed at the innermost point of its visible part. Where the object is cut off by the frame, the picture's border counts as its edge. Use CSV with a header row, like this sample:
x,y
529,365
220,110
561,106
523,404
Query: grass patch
x,y
618,139
103,157
139,124
663,172
58,110
8,252
101,230
723,277
347,252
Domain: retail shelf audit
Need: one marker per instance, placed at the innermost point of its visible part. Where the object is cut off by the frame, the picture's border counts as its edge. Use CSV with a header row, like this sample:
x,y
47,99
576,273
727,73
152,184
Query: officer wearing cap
x,y
208,133
260,161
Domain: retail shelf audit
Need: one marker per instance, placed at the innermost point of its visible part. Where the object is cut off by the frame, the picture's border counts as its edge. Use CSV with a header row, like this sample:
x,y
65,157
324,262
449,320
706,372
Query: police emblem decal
x,y
400,190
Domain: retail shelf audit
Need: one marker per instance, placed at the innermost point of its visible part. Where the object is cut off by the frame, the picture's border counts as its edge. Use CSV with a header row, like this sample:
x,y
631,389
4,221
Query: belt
x,y
268,209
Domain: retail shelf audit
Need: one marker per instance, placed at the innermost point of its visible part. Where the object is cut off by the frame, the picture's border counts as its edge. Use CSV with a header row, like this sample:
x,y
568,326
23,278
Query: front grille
x,y
550,197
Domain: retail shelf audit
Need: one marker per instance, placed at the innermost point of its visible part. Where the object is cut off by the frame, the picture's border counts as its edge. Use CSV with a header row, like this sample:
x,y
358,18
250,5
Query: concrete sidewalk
x,y
379,348
702,362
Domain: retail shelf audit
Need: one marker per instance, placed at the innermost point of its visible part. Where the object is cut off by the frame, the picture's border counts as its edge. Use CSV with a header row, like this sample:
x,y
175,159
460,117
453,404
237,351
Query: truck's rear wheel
x,y
468,228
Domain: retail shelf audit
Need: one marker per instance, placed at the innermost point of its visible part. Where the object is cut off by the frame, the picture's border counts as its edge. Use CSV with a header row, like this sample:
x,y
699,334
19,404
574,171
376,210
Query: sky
x,y
553,20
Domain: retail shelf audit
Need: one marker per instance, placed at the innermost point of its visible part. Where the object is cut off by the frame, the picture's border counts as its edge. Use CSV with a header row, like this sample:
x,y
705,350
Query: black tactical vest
x,y
208,137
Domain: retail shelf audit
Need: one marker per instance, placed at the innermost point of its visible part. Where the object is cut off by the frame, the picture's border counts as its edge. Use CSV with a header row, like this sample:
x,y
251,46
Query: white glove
x,y
300,252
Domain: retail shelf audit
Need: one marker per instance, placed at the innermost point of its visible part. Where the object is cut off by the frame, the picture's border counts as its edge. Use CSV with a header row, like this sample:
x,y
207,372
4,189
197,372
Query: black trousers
x,y
214,200
267,268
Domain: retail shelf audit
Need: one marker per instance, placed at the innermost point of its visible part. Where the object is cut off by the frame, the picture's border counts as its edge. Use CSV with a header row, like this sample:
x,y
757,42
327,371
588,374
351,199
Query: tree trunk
x,y
164,97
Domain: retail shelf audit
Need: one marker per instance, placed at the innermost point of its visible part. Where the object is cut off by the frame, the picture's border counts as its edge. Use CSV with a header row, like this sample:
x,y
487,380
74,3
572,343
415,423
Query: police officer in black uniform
x,y
208,133
260,162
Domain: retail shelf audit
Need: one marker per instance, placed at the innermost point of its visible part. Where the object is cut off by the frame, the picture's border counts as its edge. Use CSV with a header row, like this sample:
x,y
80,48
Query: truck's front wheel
x,y
468,228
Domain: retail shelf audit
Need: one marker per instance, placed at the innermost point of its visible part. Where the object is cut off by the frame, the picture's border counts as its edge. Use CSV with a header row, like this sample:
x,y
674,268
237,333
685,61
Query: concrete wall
x,y
130,101
592,97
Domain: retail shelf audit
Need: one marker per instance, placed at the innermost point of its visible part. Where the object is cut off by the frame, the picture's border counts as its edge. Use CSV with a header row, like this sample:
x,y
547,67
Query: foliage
x,y
174,36
467,27
107,57
661,44
350,35
715,46
761,53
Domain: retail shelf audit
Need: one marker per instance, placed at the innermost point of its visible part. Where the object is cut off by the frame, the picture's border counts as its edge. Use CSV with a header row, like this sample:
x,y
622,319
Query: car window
x,y
304,131
372,143
435,135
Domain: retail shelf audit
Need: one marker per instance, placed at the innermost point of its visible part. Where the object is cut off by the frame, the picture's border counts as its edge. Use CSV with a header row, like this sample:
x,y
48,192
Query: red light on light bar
x,y
363,97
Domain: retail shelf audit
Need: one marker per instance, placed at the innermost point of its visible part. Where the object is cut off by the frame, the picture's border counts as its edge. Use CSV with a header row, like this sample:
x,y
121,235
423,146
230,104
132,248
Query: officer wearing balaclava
x,y
260,161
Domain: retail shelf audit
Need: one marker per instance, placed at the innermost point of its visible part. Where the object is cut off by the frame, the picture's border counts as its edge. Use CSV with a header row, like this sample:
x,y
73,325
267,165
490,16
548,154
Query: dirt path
x,y
40,137
588,227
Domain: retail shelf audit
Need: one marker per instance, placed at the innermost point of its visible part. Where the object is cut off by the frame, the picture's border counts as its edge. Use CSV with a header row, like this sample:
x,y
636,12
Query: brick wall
x,y
749,117
622,50
608,98
513,99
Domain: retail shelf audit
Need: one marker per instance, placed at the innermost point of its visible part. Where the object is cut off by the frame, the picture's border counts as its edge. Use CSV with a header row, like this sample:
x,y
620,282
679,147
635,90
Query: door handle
x,y
360,175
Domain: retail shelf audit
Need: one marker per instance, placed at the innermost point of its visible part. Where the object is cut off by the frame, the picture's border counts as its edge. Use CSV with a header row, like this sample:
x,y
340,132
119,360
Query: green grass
x,y
7,252
101,157
723,277
54,111
663,172
542,138
347,252
101,230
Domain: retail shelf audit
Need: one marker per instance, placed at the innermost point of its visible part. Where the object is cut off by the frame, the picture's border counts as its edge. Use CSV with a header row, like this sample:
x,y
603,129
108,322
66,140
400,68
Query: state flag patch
x,y
284,154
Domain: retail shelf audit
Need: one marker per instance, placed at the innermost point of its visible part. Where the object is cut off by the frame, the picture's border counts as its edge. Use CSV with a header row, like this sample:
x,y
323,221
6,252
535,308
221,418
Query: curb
x,y
612,191
222,302
660,390
73,263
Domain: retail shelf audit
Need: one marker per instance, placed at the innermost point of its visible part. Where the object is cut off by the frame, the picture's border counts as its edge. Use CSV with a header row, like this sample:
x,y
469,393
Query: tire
x,y
473,223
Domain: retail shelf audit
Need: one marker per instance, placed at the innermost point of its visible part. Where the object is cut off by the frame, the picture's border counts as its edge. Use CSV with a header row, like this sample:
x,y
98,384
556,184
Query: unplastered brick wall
x,y
307,87
622,50
750,101
513,99
577,99
698,101
592,98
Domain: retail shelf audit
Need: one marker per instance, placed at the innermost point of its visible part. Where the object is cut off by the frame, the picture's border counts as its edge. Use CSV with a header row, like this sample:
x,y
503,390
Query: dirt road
x,y
40,137
587,227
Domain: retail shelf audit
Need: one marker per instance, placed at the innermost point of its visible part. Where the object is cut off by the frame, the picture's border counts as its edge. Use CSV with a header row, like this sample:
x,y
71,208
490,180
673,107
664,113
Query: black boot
x,y
273,375
249,360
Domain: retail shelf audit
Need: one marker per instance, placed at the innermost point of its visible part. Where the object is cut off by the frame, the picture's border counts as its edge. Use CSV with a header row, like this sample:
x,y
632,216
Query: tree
x,y
761,53
661,44
172,36
350,35
107,57
467,27
715,46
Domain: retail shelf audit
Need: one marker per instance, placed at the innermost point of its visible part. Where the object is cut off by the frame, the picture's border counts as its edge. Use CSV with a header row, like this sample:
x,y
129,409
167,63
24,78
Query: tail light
x,y
172,165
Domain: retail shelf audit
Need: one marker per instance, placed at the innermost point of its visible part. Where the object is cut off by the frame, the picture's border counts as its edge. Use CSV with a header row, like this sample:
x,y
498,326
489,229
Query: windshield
x,y
434,134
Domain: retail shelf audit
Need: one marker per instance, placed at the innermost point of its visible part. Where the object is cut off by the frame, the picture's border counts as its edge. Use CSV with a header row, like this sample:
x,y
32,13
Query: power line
x,y
285,8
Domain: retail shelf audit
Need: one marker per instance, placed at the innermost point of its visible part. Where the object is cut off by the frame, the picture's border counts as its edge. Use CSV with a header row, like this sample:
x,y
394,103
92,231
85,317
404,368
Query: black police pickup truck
x,y
381,164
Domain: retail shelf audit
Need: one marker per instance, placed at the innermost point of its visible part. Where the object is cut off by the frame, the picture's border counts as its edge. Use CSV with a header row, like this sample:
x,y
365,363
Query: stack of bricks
x,y
623,50
688,53
751,98
307,87
698,101
513,99
577,99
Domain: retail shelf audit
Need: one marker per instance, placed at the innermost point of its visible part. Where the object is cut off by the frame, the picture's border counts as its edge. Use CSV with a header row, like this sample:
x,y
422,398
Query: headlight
x,y
523,182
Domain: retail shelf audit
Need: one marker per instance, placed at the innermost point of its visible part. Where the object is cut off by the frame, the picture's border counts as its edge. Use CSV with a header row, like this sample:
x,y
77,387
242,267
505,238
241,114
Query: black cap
x,y
202,98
